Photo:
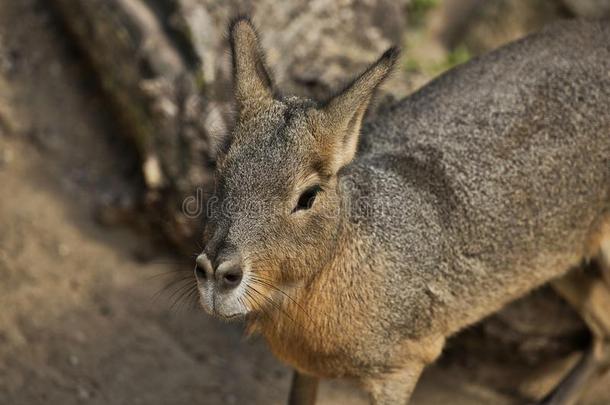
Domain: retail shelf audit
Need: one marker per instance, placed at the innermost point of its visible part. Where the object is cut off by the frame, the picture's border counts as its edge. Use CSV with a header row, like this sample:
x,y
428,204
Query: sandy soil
x,y
80,318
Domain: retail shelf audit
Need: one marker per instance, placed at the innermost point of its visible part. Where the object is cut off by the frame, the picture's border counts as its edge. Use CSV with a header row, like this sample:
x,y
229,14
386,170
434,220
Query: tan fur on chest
x,y
309,334
323,326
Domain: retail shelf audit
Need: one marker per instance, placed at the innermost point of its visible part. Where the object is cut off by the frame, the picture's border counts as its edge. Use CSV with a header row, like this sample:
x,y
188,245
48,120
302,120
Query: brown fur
x,y
598,241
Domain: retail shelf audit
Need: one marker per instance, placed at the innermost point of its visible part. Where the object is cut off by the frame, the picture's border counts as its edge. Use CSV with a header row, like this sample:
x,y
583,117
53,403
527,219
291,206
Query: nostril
x,y
203,267
231,277
199,273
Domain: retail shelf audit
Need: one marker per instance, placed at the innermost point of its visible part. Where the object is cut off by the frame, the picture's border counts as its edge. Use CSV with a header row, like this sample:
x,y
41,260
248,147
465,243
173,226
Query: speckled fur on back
x,y
511,154
480,187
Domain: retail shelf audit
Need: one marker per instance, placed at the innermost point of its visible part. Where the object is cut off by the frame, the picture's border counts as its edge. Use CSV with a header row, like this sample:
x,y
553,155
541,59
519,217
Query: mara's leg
x,y
303,390
599,245
604,259
570,389
393,388
590,296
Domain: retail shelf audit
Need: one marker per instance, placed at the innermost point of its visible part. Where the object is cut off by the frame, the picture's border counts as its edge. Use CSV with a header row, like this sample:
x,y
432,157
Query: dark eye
x,y
307,199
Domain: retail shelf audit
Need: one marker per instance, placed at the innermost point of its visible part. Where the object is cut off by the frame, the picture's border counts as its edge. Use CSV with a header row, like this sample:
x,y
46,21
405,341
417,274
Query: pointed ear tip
x,y
240,20
390,56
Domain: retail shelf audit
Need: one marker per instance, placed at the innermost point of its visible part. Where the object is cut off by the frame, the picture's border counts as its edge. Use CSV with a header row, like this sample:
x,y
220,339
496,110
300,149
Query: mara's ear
x,y
251,82
337,123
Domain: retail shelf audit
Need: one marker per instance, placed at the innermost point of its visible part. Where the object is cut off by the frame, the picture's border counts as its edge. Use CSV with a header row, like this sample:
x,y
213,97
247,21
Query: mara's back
x,y
500,169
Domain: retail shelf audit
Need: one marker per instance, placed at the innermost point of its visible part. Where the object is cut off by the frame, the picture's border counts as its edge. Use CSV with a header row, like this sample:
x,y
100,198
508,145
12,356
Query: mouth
x,y
229,317
227,307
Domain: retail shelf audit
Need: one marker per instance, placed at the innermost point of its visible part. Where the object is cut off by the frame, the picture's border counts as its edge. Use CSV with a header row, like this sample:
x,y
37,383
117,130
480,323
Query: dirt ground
x,y
80,317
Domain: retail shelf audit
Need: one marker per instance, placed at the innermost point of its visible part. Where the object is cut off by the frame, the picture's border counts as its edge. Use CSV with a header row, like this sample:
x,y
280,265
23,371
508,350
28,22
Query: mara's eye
x,y
307,199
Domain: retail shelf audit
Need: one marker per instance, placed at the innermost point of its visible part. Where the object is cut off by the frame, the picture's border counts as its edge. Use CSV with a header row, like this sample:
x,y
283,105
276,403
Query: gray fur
x,y
510,157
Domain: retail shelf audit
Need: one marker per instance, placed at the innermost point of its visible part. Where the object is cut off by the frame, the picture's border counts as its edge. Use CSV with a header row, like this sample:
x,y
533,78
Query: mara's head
x,y
275,215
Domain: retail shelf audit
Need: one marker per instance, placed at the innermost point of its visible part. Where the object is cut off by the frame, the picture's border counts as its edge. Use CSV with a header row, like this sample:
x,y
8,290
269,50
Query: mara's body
x,y
485,184
475,190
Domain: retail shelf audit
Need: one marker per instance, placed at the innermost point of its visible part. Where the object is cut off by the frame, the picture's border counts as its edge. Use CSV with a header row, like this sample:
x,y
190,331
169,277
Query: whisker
x,y
179,302
270,285
168,273
262,277
253,303
172,284
192,298
176,260
180,288
242,303
265,298
263,308
273,303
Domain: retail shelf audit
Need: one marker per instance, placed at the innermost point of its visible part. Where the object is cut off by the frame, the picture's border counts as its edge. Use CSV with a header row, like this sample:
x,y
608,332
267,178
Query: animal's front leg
x,y
590,297
570,389
393,388
604,257
303,390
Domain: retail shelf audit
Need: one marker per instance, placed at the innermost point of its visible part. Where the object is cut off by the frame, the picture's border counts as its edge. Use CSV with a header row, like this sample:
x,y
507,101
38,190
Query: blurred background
x,y
109,113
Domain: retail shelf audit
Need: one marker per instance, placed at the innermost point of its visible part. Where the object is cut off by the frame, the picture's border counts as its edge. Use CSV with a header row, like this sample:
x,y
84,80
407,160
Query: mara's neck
x,y
307,330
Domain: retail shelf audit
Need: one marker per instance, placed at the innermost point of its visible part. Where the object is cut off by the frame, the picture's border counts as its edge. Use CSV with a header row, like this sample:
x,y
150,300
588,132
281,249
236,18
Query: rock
x,y
483,25
311,46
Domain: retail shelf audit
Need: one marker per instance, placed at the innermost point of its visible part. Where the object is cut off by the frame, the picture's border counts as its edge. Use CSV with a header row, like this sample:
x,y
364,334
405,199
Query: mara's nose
x,y
227,275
